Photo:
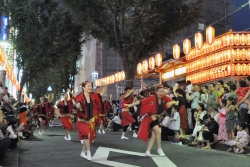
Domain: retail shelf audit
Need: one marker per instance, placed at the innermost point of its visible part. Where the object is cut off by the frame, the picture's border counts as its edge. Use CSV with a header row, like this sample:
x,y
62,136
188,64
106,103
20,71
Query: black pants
x,y
13,143
126,127
208,136
165,132
4,144
115,126
193,119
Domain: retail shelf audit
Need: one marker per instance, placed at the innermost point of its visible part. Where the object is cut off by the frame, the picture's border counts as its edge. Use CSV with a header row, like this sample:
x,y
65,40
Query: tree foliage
x,y
47,43
134,28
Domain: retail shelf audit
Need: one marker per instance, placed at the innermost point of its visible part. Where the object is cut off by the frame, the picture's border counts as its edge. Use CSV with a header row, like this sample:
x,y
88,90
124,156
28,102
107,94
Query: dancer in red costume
x,y
88,105
42,110
151,108
66,107
127,117
106,106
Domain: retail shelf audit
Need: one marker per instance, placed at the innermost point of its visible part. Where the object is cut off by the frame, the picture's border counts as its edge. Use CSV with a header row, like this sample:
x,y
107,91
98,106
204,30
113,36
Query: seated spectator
x,y
241,140
4,142
29,128
116,122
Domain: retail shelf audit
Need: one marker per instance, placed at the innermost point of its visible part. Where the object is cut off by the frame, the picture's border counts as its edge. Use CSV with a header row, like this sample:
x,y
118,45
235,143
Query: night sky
x,y
241,18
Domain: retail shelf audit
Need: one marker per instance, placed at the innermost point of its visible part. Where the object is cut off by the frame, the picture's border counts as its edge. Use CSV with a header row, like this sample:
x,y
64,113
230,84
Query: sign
x,y
102,153
4,29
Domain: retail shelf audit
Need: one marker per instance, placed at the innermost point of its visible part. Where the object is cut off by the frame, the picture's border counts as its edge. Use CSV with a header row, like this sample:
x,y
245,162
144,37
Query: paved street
x,y
51,150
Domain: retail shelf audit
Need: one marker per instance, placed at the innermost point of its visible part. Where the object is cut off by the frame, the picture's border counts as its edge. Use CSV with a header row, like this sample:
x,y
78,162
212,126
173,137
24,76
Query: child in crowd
x,y
222,134
175,122
230,109
242,140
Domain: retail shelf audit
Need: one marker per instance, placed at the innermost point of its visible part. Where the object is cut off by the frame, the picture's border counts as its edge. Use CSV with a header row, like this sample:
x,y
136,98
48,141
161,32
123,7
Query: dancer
x,y
42,110
106,106
66,107
127,117
88,104
151,108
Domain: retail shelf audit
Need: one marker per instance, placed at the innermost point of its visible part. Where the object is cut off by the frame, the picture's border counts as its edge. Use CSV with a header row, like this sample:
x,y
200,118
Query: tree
x,y
133,28
47,44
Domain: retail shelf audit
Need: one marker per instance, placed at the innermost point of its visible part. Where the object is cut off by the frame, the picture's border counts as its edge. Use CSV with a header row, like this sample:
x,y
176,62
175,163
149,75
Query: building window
x,y
94,76
201,26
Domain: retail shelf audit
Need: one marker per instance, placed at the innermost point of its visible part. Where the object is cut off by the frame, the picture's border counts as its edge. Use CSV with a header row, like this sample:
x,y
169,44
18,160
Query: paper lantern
x,y
229,69
243,54
117,76
237,54
248,54
248,69
227,40
210,35
247,39
243,69
231,39
176,51
152,63
123,75
145,66
233,69
139,69
238,69
112,78
186,46
198,40
242,39
237,40
158,59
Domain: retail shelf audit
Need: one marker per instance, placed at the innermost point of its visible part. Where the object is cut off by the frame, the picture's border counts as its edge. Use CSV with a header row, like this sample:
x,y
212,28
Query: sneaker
x,y
83,155
69,137
65,138
103,131
99,131
129,129
82,141
134,135
39,133
160,152
89,155
147,154
123,137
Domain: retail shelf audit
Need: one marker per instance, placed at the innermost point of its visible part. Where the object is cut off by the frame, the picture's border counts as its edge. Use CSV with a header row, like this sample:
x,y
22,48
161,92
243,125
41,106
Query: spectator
x,y
230,109
4,142
116,122
220,85
241,140
175,122
212,96
222,134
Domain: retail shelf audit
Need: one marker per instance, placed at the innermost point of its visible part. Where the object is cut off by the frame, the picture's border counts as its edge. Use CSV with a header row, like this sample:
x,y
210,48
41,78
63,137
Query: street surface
x,y
51,150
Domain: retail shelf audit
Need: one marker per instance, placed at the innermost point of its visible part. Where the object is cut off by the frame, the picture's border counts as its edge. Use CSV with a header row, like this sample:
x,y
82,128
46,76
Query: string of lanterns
x,y
149,64
119,76
12,77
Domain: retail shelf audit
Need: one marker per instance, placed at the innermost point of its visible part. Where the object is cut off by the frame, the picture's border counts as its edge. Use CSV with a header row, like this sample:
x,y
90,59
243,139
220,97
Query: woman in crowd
x,y
222,134
198,115
230,109
88,105
195,96
127,117
66,107
180,98
152,108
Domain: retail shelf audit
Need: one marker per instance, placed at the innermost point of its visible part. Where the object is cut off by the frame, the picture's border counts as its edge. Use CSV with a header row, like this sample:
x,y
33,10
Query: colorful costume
x,y
127,118
222,134
104,111
89,114
150,106
43,111
66,111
